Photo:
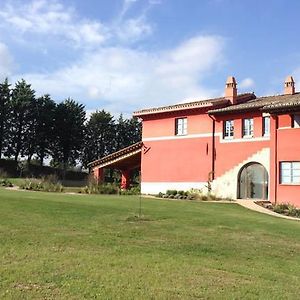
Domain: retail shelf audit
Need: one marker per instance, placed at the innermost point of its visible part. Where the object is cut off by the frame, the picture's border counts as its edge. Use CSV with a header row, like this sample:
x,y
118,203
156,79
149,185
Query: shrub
x,y
281,208
212,197
5,182
171,192
195,194
135,190
94,187
45,185
287,209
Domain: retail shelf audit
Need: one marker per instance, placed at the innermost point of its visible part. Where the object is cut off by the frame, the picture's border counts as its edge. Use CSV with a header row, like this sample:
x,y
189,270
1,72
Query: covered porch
x,y
125,160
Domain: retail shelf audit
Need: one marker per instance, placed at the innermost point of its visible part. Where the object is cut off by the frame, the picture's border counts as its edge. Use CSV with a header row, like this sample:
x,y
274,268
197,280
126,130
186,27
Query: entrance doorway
x,y
253,182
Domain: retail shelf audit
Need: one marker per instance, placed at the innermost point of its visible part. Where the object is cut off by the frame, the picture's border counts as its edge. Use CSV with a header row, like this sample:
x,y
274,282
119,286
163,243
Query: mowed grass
x,y
58,246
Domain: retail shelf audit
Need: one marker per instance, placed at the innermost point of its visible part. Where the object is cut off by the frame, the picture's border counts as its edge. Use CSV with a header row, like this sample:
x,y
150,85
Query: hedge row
x,y
14,169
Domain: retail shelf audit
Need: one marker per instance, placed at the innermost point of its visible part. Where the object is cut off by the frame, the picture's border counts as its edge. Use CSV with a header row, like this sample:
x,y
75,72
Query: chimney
x,y
289,86
231,90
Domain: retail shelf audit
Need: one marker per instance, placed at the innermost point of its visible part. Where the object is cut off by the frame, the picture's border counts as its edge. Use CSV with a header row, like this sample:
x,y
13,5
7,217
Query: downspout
x,y
213,148
276,164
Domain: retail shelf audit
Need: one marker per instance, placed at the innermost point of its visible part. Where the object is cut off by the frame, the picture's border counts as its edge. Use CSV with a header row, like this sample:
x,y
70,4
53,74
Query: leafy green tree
x,y
128,132
99,136
45,122
5,93
134,130
22,116
69,132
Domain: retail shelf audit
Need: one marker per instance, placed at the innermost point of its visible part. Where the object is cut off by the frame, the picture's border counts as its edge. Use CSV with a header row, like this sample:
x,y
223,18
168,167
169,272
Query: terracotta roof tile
x,y
116,154
191,105
263,103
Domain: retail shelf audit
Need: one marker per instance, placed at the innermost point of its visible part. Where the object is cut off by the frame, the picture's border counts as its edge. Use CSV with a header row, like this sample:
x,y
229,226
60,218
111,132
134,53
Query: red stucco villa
x,y
240,145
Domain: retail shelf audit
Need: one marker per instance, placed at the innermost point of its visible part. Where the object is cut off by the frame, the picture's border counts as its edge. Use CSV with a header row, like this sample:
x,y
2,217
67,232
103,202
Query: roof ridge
x,y
187,105
259,103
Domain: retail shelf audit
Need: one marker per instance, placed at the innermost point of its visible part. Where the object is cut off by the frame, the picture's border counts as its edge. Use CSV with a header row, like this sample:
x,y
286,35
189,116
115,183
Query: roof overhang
x,y
281,108
126,158
181,107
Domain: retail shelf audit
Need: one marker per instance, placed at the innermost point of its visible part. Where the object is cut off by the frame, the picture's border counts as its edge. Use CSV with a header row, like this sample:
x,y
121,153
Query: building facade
x,y
237,146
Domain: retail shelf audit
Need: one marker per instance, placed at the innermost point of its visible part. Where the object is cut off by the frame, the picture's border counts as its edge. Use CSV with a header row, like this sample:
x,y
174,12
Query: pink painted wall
x,y
230,154
288,149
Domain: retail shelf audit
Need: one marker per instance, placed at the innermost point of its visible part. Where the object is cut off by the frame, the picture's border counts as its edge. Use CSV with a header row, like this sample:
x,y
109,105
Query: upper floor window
x,y
228,129
247,127
296,121
290,172
266,126
181,126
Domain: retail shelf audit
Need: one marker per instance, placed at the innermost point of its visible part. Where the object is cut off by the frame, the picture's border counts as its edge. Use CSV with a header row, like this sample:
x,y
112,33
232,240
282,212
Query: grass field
x,y
58,246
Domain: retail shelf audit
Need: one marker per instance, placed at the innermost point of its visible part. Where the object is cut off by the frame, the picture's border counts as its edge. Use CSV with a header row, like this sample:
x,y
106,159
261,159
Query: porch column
x,y
98,174
125,180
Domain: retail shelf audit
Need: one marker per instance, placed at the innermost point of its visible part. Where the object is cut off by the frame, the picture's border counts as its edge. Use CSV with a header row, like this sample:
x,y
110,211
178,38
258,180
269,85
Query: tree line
x,y
37,128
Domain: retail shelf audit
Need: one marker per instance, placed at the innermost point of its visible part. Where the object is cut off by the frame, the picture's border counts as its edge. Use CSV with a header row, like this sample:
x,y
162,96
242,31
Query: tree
x,y
69,132
4,114
128,132
22,116
45,122
99,136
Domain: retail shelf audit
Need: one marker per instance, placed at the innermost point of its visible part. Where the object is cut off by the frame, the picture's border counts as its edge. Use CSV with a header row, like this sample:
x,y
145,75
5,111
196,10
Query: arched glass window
x,y
253,182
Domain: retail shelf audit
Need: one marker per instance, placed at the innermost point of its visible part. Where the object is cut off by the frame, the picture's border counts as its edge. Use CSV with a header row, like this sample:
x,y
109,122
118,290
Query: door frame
x,y
265,186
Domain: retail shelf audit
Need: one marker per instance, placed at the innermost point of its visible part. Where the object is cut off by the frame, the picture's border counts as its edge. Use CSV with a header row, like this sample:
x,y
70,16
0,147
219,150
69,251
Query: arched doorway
x,y
253,182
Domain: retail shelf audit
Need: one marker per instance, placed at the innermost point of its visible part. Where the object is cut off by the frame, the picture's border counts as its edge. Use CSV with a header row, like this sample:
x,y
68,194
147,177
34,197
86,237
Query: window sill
x,y
290,184
248,137
228,138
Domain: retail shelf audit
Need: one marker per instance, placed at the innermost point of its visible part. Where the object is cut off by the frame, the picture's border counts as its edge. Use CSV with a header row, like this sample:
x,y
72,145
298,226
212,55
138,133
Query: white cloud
x,y
6,62
125,8
133,29
246,83
52,18
110,73
120,79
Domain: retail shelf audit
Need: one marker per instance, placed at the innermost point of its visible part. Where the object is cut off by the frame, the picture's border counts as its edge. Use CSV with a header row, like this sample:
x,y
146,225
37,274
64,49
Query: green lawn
x,y
58,246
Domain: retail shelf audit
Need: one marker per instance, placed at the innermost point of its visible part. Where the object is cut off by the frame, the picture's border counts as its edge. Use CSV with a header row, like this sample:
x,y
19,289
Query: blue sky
x,y
123,55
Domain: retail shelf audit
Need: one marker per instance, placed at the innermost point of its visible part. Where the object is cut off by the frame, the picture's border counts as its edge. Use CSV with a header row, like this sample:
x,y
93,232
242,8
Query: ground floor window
x,y
290,172
253,182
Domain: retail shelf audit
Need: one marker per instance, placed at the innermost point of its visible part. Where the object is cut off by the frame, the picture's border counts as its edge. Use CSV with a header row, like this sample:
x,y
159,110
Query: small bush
x,y
136,190
5,182
204,198
212,197
94,187
287,209
280,208
45,185
171,192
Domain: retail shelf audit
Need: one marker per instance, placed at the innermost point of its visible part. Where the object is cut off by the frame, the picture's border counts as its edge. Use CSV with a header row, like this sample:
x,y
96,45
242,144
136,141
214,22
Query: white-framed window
x,y
228,129
290,172
296,121
266,126
247,127
181,126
